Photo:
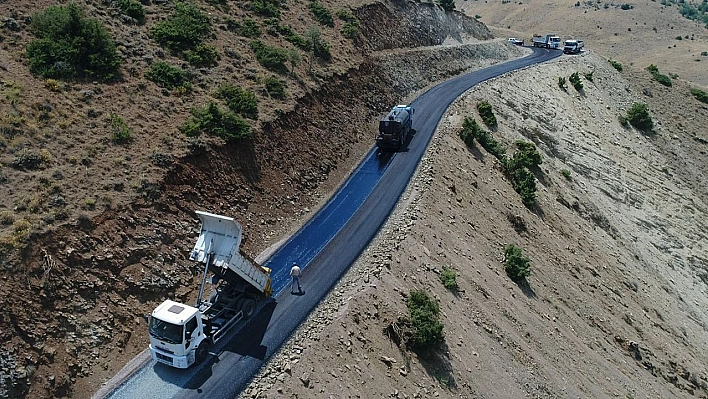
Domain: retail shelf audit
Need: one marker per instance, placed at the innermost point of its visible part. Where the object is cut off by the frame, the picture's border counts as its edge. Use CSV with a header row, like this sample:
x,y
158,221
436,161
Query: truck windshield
x,y
165,331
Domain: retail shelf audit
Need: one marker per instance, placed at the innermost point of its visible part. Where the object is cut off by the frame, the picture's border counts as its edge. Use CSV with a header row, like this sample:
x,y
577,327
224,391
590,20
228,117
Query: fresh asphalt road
x,y
325,248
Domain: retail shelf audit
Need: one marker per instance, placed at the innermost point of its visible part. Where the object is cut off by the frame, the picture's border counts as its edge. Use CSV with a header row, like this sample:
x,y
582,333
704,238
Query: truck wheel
x,y
249,308
202,352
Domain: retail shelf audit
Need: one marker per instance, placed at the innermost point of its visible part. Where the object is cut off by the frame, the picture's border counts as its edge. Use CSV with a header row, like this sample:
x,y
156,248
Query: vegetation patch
x,y
487,114
267,8
215,121
319,47
184,29
202,56
240,101
70,45
351,23
169,77
700,95
448,278
562,83
516,265
248,28
121,133
274,87
575,81
272,58
322,14
616,65
515,168
658,76
639,117
424,313
132,8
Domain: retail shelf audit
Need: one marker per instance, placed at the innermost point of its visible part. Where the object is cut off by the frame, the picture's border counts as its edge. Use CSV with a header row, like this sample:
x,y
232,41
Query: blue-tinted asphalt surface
x,y
324,248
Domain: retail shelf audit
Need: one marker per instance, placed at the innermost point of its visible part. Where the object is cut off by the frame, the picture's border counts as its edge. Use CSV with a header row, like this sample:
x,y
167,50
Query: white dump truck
x,y
573,46
547,41
181,335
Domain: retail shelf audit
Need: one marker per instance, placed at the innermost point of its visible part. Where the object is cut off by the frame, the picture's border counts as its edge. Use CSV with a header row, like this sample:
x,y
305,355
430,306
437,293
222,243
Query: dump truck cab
x,y
176,332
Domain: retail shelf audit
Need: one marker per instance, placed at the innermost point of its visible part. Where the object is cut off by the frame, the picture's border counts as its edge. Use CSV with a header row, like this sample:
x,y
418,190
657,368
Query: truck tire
x,y
202,351
248,307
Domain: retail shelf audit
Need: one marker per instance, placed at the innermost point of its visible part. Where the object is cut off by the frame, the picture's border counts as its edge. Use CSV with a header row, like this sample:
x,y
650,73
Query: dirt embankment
x,y
74,305
613,307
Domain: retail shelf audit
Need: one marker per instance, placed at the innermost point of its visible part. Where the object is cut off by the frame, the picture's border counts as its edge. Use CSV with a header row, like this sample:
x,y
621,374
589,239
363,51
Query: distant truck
x,y
394,128
181,335
547,41
573,46
515,41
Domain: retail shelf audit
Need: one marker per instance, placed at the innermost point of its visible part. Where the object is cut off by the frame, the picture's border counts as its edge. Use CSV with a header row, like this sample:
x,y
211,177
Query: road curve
x,y
326,246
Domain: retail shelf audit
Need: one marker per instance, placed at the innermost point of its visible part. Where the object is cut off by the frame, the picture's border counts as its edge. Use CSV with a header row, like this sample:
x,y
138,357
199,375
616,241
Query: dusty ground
x,y
619,264
615,303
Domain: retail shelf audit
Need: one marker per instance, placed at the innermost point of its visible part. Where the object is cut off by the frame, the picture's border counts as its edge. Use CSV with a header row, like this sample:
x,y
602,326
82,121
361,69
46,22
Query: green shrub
x,y
589,76
202,56
524,184
274,87
69,45
249,28
700,95
566,173
240,101
448,278
319,47
658,76
184,29
516,265
448,5
132,8
267,8
470,130
616,65
212,120
168,76
424,313
562,83
351,23
527,155
575,81
639,117
121,132
322,14
272,58
485,112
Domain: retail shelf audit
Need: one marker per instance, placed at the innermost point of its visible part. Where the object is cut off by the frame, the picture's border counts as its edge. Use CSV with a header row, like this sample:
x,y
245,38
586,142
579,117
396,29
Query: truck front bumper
x,y
161,356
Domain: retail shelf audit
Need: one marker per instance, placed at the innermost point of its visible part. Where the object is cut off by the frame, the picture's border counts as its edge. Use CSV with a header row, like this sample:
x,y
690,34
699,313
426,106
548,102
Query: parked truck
x,y
547,41
573,46
394,128
181,335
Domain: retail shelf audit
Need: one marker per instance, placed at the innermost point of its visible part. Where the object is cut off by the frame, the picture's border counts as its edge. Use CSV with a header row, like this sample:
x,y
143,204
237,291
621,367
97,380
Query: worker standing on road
x,y
295,273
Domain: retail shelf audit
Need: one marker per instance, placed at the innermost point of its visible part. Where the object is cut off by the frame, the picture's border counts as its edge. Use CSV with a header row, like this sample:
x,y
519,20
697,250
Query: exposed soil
x,y
615,302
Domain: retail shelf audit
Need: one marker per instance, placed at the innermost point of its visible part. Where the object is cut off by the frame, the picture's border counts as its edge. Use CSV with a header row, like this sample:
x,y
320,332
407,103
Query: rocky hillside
x,y
99,182
614,303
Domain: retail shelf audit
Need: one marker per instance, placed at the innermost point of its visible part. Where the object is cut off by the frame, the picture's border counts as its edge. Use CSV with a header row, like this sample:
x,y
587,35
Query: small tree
x,y
485,112
639,117
70,45
184,29
575,81
425,320
448,278
562,83
516,265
